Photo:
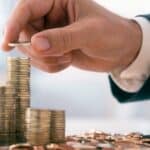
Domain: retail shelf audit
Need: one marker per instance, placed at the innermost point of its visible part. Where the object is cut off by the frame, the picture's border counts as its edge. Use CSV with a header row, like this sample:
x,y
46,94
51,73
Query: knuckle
x,y
51,61
66,39
21,6
32,54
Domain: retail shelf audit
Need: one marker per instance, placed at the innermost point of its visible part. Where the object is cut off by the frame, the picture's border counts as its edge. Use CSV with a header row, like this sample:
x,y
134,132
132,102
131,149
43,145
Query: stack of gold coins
x,y
57,134
38,123
19,78
7,115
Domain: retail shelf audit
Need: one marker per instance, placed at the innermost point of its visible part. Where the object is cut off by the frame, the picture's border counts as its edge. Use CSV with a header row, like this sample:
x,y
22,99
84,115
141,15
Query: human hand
x,y
73,32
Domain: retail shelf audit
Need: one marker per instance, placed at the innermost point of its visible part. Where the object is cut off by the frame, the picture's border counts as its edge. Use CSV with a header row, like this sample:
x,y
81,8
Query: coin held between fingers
x,y
22,43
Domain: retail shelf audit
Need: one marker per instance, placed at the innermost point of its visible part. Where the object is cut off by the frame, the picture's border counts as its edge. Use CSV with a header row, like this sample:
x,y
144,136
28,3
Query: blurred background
x,y
85,96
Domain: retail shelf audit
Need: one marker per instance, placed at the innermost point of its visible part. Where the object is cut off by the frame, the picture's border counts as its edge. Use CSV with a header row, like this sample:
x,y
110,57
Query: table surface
x,y
77,126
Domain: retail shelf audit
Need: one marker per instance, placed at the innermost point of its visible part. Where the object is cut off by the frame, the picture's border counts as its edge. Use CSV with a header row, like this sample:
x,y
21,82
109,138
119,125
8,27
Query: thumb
x,y
58,41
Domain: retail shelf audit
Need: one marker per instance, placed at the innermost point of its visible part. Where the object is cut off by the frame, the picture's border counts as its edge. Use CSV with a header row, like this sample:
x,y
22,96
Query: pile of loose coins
x,y
101,140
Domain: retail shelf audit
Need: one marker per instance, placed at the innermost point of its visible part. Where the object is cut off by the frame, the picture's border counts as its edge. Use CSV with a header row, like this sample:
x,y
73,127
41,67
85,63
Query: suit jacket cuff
x,y
133,78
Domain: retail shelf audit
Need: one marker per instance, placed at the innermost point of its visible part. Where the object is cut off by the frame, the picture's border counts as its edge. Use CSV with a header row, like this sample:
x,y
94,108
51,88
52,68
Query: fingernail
x,y
42,44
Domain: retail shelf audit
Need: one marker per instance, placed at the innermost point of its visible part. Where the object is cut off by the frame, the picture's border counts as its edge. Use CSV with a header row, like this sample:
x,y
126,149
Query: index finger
x,y
16,22
24,12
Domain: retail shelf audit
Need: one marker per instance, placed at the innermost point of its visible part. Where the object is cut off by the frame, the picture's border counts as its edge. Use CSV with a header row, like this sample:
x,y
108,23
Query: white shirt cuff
x,y
133,78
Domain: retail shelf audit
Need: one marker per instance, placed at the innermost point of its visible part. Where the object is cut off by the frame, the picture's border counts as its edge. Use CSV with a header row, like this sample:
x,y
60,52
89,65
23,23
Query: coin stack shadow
x,y
7,115
19,78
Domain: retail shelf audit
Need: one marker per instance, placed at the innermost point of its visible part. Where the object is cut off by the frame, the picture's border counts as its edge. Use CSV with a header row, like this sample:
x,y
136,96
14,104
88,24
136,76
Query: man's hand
x,y
73,32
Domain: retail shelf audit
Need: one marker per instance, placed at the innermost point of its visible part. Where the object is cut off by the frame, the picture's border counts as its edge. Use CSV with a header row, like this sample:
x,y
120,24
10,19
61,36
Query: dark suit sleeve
x,y
124,97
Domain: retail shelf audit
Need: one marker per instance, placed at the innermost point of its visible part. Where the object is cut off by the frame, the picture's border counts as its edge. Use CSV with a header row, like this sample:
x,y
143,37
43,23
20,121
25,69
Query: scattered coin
x,y
20,146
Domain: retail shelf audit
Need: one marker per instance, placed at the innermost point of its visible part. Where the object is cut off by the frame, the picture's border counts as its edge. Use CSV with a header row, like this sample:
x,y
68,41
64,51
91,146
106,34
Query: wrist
x,y
135,41
132,44
134,76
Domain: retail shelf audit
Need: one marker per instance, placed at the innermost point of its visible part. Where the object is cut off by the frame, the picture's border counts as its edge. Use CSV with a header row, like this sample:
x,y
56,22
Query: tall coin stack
x,y
38,124
57,134
19,78
7,115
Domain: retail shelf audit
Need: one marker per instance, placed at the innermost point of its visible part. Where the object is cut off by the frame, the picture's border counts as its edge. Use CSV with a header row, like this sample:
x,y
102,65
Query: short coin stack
x,y
57,134
7,115
38,126
19,78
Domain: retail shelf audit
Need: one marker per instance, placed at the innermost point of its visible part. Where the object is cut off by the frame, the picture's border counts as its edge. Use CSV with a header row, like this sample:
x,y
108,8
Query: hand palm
x,y
60,17
78,33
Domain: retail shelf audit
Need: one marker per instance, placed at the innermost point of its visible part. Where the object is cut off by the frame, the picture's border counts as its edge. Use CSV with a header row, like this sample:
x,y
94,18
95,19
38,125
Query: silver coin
x,y
16,44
